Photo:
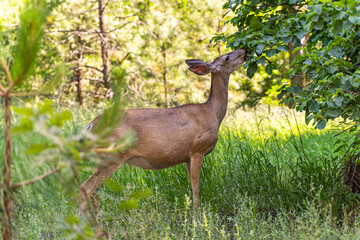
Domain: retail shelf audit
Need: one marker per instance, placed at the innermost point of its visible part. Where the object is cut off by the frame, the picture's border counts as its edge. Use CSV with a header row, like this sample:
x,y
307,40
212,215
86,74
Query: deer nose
x,y
246,50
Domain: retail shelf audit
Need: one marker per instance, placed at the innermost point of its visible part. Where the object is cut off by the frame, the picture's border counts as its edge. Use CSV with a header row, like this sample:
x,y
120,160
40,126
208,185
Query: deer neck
x,y
218,98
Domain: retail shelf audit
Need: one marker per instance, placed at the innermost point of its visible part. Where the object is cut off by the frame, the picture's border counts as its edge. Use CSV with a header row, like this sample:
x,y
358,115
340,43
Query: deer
x,y
171,136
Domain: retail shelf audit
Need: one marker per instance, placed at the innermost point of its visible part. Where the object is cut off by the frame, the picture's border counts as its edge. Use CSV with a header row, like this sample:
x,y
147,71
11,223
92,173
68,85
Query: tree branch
x,y
124,58
23,94
36,179
8,75
113,30
129,16
85,31
94,79
71,30
87,66
146,69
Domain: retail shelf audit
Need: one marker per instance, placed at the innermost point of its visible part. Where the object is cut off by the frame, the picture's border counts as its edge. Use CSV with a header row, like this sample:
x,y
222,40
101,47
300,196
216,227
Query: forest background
x,y
150,39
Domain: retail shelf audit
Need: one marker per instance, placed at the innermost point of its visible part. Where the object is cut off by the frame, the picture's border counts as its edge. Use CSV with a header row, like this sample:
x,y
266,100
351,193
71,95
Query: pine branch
x,y
36,179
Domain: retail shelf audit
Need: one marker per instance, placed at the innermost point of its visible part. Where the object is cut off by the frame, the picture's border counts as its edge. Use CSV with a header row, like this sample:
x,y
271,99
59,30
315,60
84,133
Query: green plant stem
x,y
7,189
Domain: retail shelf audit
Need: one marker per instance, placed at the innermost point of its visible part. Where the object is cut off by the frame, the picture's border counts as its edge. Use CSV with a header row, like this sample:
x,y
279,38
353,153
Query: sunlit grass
x,y
269,177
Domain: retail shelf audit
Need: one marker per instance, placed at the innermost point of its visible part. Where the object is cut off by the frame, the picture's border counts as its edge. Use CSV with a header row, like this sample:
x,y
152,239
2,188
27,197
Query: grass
x,y
269,177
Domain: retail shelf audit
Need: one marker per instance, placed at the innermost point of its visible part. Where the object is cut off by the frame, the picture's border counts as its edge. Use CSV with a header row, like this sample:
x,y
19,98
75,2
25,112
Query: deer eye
x,y
227,58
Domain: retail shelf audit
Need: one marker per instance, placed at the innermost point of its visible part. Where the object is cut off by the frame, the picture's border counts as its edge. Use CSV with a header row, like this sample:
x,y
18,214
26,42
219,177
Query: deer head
x,y
225,64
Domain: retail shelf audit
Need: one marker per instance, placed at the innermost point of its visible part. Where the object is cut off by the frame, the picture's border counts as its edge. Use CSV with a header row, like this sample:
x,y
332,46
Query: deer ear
x,y
198,67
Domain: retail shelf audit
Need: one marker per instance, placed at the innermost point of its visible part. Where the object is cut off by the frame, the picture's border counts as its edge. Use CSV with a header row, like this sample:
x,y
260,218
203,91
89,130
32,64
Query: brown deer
x,y
170,136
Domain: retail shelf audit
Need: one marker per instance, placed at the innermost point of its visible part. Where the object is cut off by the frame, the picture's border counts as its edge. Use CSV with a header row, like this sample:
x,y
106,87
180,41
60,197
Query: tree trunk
x,y
78,71
299,78
166,86
7,190
78,84
219,30
104,47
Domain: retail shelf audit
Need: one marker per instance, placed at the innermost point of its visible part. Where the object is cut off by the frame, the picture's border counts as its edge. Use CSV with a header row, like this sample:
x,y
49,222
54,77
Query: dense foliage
x,y
150,39
323,36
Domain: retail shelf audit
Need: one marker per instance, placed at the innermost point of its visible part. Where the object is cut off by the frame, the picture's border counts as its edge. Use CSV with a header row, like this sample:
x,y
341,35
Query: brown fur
x,y
171,136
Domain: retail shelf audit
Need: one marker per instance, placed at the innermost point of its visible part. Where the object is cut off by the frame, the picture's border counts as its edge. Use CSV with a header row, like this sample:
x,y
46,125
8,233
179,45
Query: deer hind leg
x,y
188,169
95,181
195,170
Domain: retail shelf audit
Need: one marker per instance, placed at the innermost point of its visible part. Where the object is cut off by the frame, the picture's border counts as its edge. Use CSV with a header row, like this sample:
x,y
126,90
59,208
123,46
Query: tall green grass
x,y
269,177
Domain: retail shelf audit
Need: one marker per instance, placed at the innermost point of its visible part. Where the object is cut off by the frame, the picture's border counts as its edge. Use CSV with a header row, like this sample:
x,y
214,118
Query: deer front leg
x,y
95,181
195,170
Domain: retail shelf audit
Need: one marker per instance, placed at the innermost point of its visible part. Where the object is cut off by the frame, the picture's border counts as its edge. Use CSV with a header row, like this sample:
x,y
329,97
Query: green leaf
x,y
330,104
354,20
282,47
339,15
321,125
335,52
296,49
140,194
38,148
271,53
355,83
301,33
113,185
338,100
281,94
26,125
290,90
59,118
128,204
268,69
332,69
46,107
308,61
261,61
24,111
314,106
318,8
319,25
302,106
356,115
252,69
259,48
308,119
255,23
347,25
333,113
